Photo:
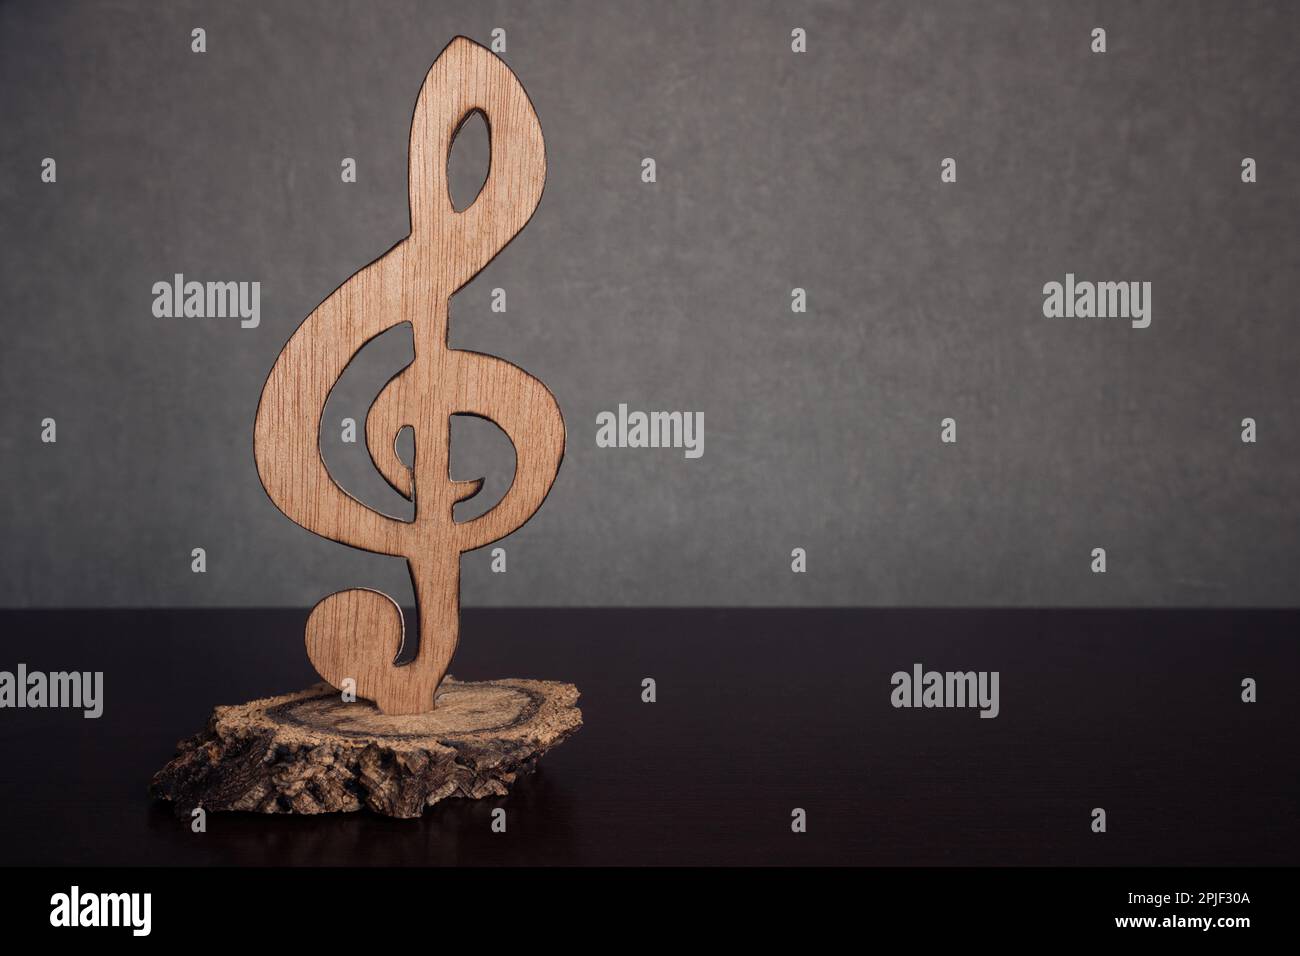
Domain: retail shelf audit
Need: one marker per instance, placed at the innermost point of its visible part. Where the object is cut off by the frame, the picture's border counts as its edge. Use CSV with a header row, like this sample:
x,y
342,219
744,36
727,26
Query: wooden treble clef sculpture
x,y
359,633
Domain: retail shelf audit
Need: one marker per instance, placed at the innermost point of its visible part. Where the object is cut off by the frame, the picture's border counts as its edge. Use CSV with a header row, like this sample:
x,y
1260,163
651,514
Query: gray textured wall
x,y
775,170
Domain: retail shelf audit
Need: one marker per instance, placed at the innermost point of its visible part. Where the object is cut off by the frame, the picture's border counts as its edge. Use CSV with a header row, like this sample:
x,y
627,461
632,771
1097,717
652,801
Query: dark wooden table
x,y
758,712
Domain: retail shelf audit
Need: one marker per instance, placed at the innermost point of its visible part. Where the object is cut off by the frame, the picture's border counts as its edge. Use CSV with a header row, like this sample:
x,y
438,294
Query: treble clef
x,y
360,633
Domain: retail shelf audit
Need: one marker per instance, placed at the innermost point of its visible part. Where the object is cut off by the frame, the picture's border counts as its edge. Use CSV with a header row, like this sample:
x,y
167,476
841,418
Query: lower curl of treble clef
x,y
341,643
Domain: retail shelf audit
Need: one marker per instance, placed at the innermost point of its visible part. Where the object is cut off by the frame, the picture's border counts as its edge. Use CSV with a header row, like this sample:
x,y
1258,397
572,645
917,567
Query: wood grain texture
x,y
358,633
309,752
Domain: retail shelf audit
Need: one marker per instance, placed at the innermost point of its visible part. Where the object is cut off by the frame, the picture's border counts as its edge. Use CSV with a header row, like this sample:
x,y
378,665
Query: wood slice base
x,y
309,752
